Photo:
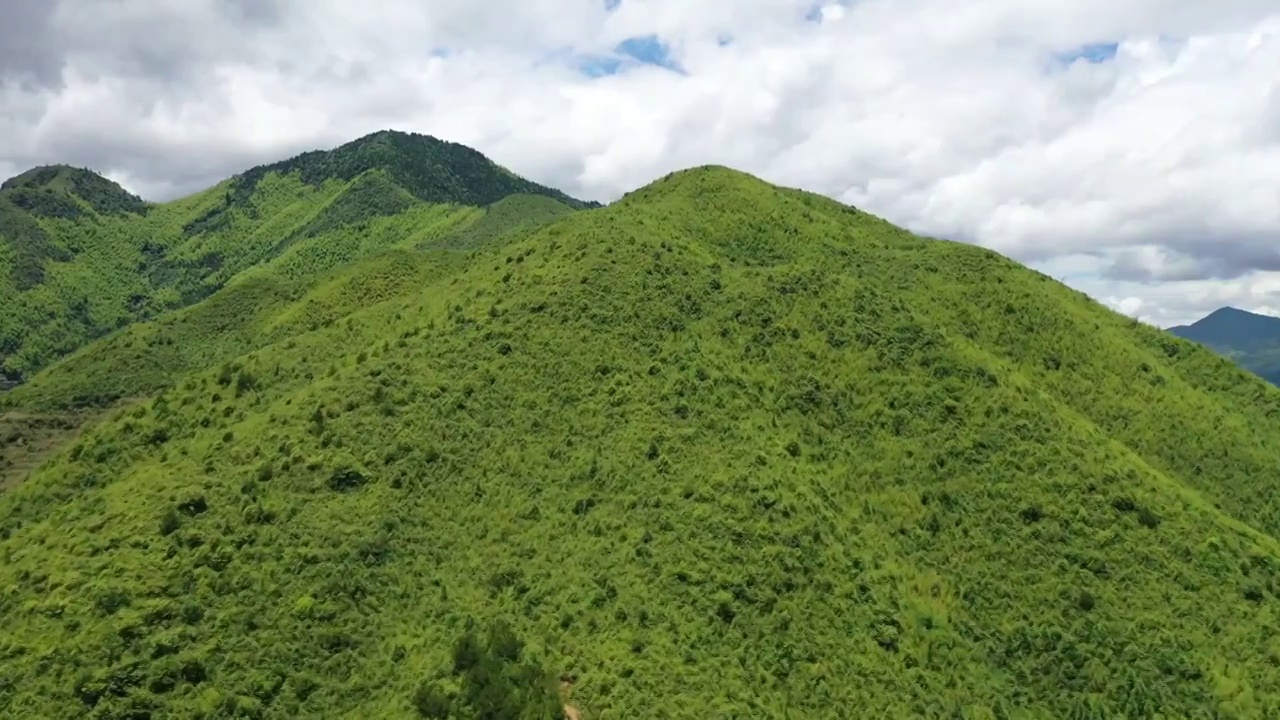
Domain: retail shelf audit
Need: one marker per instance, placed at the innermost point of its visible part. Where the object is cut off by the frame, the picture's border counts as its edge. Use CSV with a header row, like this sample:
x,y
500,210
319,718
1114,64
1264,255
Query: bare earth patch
x,y
28,439
566,690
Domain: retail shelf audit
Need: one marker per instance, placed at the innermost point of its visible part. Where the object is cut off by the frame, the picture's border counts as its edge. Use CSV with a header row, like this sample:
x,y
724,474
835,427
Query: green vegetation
x,y
503,221
1250,340
496,682
432,170
51,191
27,440
81,258
252,313
720,449
307,286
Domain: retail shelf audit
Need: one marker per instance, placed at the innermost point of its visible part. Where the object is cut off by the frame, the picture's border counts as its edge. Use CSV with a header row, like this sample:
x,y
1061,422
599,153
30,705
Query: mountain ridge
x,y
433,170
80,257
715,448
45,189
1250,339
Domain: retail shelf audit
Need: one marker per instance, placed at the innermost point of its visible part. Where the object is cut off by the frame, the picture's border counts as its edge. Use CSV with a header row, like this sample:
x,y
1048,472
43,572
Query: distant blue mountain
x,y
1249,339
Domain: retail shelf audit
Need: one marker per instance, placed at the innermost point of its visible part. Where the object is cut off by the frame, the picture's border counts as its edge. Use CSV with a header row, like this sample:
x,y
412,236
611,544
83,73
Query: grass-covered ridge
x,y
430,169
502,220
719,450
305,287
56,190
80,257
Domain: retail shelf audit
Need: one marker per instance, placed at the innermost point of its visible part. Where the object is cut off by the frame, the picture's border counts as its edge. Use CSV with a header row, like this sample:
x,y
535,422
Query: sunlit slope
x,y
111,270
719,450
315,281
80,257
501,222
67,262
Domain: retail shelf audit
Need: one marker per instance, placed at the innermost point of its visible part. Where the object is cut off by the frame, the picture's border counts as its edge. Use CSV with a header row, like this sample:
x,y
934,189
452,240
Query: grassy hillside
x,y
503,221
718,450
306,287
1250,340
80,257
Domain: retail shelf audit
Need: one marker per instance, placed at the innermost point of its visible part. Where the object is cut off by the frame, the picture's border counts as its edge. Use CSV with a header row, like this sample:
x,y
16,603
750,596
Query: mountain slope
x,y
1251,340
720,449
80,257
306,287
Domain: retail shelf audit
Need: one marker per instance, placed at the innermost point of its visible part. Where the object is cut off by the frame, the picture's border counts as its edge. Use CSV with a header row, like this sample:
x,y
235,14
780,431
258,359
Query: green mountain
x,y
80,257
720,449
1249,339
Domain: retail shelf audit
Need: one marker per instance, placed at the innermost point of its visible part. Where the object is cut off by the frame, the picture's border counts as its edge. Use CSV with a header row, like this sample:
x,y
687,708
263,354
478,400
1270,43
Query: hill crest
x,y
64,191
1229,314
733,429
428,168
1250,339
95,258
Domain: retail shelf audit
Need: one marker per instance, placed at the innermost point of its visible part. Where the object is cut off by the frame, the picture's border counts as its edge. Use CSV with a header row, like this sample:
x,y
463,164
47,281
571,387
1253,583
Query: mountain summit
x,y
31,204
1250,339
429,169
1232,327
84,257
62,191
721,449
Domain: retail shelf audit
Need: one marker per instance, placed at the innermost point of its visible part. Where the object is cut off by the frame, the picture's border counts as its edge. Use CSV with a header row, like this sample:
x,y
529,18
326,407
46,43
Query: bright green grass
x,y
121,268
80,257
313,282
502,220
719,450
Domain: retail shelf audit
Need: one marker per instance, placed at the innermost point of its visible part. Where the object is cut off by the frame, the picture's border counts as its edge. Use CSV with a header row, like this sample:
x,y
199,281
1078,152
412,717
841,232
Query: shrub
x,y
170,522
496,683
265,472
467,652
432,702
195,505
346,478
245,382
1148,518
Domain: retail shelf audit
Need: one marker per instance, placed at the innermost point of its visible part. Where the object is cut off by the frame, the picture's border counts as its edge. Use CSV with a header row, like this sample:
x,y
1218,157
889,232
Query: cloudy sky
x,y
1130,148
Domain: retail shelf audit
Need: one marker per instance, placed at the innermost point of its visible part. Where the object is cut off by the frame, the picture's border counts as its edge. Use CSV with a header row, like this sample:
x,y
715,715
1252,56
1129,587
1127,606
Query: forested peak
x,y
1232,327
429,168
43,176
53,190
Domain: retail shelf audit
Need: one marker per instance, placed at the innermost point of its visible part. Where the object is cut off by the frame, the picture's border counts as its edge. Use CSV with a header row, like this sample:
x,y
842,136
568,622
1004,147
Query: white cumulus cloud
x,y
1131,148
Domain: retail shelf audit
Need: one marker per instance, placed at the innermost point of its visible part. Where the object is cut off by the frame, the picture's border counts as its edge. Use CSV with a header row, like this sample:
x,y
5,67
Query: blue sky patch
x,y
1091,53
630,53
598,65
648,49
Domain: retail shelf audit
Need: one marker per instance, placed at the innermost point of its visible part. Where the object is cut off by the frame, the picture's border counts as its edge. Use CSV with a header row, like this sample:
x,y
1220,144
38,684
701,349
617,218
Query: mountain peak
x,y
1248,337
1229,314
39,176
721,411
431,169
1226,311
425,167
52,191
